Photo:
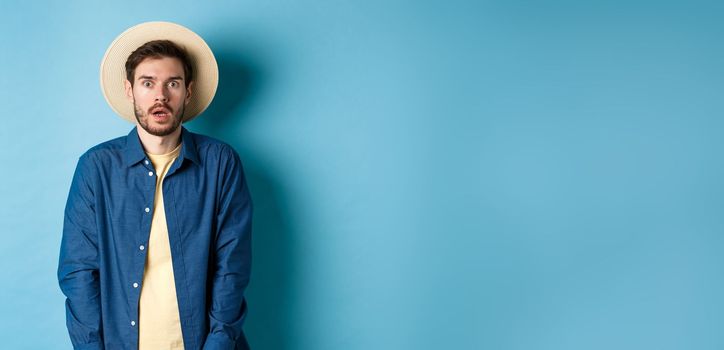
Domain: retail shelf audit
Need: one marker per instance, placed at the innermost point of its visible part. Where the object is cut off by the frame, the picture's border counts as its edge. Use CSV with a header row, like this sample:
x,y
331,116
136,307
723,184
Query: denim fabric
x,y
107,226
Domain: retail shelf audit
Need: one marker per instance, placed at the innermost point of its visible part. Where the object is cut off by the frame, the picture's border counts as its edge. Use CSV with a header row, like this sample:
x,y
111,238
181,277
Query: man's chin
x,y
160,131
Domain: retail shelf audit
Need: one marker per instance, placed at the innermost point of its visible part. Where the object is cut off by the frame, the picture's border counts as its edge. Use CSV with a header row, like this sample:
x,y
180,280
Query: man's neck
x,y
158,144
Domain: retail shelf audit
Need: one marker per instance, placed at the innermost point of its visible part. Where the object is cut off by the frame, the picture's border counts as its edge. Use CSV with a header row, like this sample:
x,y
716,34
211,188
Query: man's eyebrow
x,y
148,77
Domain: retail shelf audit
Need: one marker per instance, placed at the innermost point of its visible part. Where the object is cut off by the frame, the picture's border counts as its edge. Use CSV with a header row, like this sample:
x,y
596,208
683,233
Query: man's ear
x,y
129,90
188,93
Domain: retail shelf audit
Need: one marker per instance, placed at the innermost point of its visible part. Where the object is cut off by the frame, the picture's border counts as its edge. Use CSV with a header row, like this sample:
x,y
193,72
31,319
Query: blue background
x,y
426,174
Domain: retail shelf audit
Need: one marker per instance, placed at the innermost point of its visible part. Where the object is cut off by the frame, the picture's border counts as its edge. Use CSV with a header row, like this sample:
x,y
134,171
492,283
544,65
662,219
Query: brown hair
x,y
159,49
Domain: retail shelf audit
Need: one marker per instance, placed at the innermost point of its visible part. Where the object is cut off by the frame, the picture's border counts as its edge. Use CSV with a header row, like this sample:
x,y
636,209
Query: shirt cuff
x,y
218,341
89,346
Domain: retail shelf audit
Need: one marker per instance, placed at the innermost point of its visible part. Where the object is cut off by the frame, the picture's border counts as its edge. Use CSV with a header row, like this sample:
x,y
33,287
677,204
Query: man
x,y
156,246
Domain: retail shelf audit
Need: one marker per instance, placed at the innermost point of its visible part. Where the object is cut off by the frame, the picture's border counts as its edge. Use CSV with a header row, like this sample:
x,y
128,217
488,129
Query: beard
x,y
143,117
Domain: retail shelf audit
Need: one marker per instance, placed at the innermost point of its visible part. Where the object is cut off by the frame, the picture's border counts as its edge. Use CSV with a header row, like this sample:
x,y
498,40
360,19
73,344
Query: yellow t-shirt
x,y
159,325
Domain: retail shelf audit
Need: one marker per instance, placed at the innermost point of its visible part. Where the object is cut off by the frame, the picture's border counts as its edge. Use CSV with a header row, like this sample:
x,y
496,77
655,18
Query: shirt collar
x,y
134,152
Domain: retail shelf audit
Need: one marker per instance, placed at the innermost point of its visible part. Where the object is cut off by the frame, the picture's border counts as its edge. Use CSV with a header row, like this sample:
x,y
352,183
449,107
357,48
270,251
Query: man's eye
x,y
173,84
147,84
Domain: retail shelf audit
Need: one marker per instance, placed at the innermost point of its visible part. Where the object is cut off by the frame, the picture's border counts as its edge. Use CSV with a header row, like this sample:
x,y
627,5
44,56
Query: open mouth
x,y
160,113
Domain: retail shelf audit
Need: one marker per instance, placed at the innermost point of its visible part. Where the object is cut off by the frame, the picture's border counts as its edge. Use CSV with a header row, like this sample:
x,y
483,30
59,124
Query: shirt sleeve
x,y
78,273
232,257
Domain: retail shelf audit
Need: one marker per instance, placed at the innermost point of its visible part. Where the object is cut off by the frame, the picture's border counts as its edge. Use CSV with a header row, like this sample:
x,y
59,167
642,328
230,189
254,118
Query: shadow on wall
x,y
270,293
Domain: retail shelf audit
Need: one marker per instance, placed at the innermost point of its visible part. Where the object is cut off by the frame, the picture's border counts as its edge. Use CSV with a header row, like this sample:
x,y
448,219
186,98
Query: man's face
x,y
159,95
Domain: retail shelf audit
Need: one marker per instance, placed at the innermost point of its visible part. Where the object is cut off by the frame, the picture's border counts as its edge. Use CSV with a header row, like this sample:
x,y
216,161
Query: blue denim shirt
x,y
107,226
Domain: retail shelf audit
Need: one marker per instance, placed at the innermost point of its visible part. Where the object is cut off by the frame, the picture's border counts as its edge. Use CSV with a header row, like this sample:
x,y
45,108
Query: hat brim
x,y
113,70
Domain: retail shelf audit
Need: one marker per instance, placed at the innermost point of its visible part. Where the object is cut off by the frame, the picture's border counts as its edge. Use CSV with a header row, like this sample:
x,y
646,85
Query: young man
x,y
156,247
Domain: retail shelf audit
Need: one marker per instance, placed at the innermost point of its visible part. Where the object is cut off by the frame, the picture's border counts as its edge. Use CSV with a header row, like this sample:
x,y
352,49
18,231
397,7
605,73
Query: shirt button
x,y
135,285
147,210
142,247
150,173
146,161
133,323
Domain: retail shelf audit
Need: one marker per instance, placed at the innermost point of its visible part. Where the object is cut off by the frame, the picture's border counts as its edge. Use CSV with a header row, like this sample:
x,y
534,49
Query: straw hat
x,y
113,70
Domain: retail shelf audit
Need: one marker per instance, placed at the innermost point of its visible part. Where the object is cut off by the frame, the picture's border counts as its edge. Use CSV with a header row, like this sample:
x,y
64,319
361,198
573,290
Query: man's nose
x,y
162,94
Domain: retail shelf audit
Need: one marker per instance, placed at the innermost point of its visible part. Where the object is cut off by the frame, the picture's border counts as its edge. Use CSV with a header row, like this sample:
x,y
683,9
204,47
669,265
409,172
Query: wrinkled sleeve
x,y
78,274
232,257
